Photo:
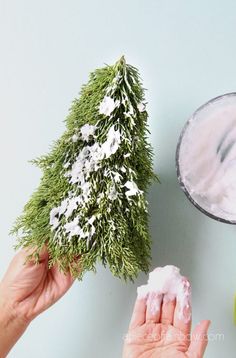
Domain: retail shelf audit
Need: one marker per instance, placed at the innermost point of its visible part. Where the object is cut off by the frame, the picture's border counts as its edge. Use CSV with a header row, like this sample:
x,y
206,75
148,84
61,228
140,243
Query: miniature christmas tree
x,y
91,199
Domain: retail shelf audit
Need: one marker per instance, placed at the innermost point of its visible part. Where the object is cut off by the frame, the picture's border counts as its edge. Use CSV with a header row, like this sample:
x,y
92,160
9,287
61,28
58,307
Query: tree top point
x,y
121,61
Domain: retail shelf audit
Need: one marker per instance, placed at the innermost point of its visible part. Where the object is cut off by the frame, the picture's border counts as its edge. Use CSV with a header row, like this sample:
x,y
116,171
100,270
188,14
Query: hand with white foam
x,y
161,322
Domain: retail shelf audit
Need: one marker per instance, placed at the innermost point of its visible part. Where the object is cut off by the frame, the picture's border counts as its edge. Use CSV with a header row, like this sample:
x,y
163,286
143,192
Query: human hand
x,y
161,333
27,289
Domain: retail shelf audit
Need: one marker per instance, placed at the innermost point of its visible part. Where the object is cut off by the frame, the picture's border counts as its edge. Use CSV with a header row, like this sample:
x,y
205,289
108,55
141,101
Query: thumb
x,y
43,255
29,254
198,340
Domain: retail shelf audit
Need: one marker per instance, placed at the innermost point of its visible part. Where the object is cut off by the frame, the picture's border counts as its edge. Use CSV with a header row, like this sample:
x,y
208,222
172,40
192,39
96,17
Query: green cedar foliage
x,y
91,201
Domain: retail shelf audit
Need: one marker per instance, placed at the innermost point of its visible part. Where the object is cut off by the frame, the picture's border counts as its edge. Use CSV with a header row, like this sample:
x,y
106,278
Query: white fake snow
x,y
108,105
169,282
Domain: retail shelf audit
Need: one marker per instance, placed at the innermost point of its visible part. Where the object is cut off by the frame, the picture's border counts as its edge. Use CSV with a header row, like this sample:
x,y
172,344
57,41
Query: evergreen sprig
x,y
91,201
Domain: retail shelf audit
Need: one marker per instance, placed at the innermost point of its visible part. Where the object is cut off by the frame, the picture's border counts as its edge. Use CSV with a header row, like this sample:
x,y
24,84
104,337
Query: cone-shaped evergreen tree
x,y
91,199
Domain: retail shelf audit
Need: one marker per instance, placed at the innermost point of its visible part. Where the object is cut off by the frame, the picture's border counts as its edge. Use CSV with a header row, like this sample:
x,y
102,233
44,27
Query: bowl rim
x,y
177,166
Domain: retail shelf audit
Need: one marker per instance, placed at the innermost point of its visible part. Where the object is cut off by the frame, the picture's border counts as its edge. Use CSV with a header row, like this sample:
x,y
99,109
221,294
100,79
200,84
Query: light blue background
x,y
186,54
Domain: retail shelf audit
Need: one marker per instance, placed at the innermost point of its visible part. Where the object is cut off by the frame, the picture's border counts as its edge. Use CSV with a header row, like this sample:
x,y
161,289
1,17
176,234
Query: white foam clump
x,y
167,282
133,188
87,130
108,105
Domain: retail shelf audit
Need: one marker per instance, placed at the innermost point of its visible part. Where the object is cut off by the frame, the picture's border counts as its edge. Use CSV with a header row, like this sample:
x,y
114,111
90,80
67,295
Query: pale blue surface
x,y
186,53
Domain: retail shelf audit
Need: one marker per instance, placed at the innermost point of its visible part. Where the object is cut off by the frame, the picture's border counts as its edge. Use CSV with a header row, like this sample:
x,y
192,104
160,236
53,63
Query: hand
x,y
27,289
161,333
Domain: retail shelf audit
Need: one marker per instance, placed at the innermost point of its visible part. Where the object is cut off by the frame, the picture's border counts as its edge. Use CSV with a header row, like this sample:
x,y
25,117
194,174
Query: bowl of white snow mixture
x,y
206,158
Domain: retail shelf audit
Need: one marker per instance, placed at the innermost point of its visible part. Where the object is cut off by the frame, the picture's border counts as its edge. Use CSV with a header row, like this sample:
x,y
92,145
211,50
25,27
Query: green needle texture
x,y
90,205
